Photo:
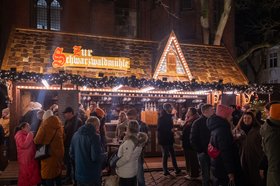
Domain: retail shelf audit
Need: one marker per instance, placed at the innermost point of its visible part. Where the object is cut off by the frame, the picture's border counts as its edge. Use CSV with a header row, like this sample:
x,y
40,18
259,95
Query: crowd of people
x,y
229,146
78,146
225,145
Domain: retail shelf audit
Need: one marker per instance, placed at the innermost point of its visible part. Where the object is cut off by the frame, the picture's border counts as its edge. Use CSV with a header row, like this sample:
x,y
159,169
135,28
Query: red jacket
x,y
29,173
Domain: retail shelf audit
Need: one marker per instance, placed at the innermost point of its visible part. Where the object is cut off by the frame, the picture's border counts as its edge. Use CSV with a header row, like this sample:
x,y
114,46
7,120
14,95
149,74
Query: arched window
x,y
55,15
42,18
48,14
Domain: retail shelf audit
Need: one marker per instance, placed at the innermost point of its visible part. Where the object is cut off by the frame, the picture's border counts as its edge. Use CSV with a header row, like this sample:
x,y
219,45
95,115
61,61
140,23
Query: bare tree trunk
x,y
204,20
223,22
250,64
261,66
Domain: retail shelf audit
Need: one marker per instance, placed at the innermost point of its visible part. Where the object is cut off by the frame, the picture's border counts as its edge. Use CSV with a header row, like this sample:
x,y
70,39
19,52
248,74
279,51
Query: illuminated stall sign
x,y
84,58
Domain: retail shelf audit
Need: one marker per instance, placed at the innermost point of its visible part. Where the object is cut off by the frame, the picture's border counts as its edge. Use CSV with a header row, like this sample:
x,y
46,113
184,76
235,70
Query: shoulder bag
x,y
44,152
213,152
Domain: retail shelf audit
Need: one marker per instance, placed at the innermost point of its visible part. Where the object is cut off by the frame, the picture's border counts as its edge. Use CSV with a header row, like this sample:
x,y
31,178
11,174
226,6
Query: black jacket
x,y
165,126
2,135
221,138
31,118
70,127
200,135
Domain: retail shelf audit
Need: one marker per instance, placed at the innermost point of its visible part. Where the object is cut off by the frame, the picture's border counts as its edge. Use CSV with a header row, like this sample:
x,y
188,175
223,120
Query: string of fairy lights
x,y
61,78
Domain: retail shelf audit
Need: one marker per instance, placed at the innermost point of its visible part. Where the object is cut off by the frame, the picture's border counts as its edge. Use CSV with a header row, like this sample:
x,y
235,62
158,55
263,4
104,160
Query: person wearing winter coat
x,y
29,173
71,125
199,138
270,132
251,153
192,165
132,114
86,151
31,116
129,153
121,127
5,122
95,110
225,167
51,129
165,136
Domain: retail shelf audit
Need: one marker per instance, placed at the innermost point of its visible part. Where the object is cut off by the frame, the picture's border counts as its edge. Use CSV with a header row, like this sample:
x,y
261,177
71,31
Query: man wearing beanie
x,y
270,132
226,166
166,139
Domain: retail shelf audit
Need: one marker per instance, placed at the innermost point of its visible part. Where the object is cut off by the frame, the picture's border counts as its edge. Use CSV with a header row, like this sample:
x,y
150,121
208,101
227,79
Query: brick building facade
x,y
138,19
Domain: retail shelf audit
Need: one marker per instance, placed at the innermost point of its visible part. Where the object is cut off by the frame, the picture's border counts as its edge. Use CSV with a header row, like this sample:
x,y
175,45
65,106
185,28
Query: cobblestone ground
x,y
156,178
161,180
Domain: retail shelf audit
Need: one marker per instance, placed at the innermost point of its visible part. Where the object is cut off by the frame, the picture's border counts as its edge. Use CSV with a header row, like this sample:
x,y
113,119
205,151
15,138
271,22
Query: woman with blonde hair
x,y
122,125
129,152
51,132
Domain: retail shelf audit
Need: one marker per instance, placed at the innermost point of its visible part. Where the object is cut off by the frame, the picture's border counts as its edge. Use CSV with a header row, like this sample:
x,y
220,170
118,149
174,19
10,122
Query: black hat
x,y
68,109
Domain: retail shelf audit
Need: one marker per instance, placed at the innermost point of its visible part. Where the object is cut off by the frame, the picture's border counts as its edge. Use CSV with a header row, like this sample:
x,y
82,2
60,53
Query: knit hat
x,y
34,105
167,106
99,112
47,114
224,111
133,126
275,112
6,111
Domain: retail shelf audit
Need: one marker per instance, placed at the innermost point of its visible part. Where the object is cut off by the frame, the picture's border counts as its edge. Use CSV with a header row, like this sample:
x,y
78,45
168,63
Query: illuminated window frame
x,y
48,14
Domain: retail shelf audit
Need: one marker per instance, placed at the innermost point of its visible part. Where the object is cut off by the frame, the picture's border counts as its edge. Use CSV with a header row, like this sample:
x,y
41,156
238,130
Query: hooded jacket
x,y
270,132
29,173
86,151
51,127
221,138
129,152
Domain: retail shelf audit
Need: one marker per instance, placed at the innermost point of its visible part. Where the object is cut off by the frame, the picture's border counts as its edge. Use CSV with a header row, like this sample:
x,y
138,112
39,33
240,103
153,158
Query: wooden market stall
x,y
117,73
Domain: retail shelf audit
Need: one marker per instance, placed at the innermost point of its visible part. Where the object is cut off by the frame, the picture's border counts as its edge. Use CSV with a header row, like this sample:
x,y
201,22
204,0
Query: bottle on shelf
x,y
153,107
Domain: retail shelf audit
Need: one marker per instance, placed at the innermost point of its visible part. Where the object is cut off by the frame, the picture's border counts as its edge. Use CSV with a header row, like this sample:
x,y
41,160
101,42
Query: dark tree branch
x,y
251,50
166,8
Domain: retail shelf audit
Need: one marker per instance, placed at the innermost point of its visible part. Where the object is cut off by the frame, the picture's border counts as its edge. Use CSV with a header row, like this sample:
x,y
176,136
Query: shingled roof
x,y
31,50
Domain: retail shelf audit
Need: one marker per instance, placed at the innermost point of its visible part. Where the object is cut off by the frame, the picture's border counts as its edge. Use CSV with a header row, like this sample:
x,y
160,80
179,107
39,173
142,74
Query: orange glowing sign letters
x,y
83,58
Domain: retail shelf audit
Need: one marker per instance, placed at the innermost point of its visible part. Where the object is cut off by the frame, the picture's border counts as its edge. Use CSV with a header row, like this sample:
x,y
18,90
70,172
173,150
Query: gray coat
x,y
270,132
251,155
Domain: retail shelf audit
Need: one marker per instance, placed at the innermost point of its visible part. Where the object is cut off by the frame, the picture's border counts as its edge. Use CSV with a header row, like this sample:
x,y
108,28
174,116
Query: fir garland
x,y
60,78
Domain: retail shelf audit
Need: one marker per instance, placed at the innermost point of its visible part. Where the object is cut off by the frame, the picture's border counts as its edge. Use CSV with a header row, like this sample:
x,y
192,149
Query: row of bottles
x,y
150,107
